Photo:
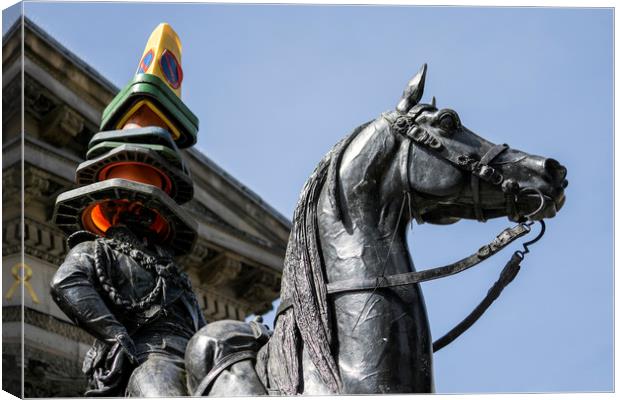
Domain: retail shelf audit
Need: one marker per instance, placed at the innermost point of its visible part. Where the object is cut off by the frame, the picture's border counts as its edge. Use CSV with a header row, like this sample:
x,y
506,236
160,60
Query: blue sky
x,y
276,86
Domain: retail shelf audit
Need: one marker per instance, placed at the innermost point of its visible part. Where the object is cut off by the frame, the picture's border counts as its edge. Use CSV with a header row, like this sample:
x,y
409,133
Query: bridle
x,y
404,124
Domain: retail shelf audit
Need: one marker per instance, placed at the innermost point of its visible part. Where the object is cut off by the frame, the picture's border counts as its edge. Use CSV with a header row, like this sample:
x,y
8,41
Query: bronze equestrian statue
x,y
352,318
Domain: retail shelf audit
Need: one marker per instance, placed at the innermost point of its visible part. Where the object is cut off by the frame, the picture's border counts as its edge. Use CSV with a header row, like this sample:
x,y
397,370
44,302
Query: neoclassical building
x,y
235,266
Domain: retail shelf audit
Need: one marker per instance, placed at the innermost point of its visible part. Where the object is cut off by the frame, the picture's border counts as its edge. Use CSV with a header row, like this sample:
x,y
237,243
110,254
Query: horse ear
x,y
413,92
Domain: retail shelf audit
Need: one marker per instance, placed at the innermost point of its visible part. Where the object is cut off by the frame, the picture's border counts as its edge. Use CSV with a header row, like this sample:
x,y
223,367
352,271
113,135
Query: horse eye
x,y
447,122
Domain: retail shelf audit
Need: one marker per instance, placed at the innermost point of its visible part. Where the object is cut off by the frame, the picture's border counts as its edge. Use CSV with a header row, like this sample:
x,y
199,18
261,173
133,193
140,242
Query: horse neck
x,y
366,236
346,220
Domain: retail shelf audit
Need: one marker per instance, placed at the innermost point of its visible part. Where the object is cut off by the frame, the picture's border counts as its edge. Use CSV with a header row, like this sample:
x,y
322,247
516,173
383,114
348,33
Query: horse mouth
x,y
529,204
537,205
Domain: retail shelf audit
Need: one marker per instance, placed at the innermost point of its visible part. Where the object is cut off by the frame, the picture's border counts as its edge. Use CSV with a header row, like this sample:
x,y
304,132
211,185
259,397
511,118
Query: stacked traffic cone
x,y
133,169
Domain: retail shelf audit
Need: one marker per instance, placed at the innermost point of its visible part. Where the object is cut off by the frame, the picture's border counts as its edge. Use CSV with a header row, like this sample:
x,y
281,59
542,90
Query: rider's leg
x,y
160,375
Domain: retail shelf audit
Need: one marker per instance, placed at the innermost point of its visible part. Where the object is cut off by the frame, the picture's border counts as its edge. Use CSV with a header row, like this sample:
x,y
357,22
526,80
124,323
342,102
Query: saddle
x,y
219,345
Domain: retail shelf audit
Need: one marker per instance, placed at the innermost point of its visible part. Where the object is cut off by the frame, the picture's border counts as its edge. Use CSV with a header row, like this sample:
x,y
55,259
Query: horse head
x,y
454,173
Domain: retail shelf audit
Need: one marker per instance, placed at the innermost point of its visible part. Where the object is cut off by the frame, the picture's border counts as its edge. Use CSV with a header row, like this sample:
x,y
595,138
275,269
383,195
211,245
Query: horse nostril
x,y
551,164
557,171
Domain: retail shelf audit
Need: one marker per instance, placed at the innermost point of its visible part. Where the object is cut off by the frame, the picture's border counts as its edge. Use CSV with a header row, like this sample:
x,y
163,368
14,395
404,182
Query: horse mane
x,y
305,284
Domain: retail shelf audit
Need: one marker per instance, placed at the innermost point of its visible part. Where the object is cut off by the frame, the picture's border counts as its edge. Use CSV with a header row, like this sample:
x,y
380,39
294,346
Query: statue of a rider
x,y
119,281
140,344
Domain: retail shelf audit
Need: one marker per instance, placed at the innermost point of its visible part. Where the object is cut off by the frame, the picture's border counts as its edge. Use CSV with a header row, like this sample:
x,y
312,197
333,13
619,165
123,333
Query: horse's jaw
x,y
442,220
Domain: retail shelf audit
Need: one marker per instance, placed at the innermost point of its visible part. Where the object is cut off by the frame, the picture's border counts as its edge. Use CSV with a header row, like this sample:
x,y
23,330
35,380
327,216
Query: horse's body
x,y
350,224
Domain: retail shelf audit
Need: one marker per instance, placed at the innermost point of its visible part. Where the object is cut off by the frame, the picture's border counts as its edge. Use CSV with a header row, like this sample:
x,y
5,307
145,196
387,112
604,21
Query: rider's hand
x,y
125,343
121,354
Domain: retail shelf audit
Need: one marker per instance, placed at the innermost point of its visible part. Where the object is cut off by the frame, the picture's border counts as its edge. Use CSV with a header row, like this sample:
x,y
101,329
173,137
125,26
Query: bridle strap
x,y
475,195
410,193
493,153
483,165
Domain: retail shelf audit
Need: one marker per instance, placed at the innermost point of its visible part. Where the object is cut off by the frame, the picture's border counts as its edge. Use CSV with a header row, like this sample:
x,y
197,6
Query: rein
x,y
478,169
509,272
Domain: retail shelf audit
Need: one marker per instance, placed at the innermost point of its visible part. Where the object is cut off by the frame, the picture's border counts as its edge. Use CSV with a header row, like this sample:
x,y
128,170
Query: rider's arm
x,y
73,290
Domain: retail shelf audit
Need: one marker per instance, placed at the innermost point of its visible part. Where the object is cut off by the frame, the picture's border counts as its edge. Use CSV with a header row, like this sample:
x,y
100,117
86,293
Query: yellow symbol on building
x,y
22,273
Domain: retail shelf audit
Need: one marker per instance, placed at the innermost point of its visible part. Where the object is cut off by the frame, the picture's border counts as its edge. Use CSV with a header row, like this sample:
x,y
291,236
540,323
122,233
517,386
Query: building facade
x,y
235,266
